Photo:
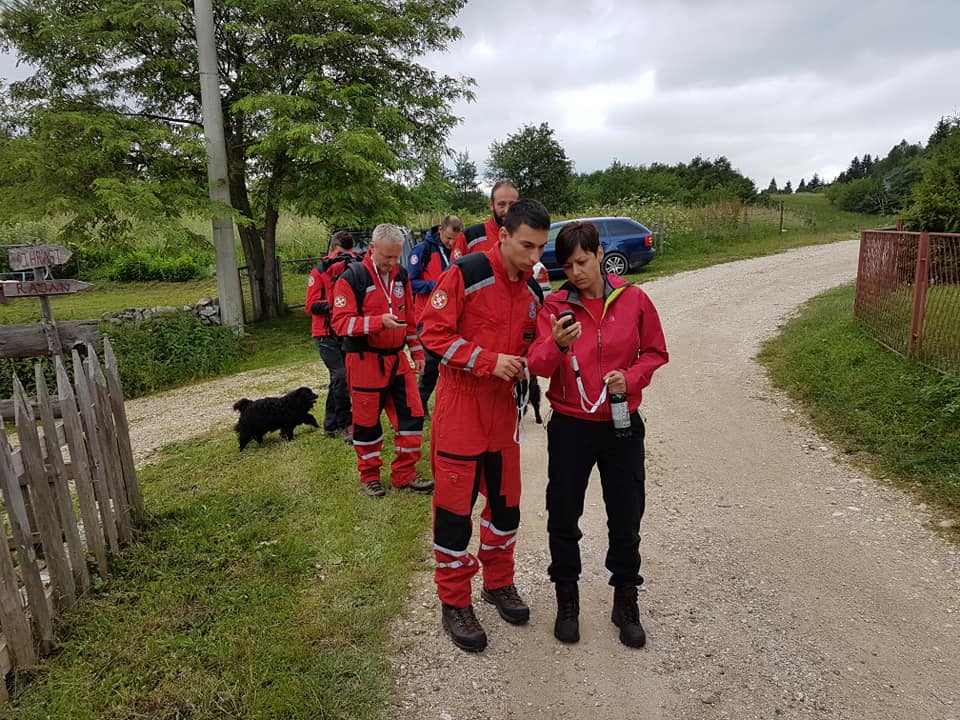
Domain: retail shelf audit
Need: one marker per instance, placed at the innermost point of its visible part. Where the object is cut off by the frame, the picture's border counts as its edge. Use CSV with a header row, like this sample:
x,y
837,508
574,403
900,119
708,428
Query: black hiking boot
x,y
509,604
626,616
567,626
463,628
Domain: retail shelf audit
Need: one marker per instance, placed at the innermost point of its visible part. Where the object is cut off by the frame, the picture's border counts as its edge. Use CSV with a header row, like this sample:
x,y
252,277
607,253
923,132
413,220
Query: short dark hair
x,y
502,183
343,239
453,222
576,234
526,212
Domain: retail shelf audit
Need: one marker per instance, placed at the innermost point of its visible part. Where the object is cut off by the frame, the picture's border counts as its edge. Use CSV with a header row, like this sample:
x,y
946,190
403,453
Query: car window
x,y
552,235
618,228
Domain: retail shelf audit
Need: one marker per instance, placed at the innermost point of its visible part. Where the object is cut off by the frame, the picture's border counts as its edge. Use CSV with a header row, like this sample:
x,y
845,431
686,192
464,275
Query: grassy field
x,y
900,419
261,588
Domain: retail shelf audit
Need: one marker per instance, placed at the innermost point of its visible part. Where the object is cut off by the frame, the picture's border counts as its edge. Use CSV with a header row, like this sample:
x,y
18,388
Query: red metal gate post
x,y
858,298
920,280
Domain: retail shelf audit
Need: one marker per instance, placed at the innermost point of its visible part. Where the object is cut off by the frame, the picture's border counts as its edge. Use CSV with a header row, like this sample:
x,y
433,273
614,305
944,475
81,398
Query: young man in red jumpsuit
x,y
373,313
318,304
481,319
484,236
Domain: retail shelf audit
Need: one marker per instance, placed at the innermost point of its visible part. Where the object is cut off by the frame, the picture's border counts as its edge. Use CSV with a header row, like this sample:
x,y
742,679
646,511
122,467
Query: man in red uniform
x,y
336,421
373,313
428,261
481,319
484,236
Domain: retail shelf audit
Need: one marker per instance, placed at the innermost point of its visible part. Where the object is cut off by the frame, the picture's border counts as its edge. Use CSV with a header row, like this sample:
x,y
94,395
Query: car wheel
x,y
615,263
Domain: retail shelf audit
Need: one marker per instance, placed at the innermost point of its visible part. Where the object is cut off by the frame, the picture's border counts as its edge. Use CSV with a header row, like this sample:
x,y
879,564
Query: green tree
x,y
788,188
467,194
772,187
936,197
324,105
802,187
534,160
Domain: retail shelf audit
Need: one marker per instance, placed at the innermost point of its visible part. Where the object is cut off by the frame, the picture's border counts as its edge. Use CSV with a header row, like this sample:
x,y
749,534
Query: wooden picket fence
x,y
59,510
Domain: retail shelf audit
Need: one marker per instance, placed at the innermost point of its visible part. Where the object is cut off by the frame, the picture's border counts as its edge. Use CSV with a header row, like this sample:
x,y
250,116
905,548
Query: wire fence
x,y
908,294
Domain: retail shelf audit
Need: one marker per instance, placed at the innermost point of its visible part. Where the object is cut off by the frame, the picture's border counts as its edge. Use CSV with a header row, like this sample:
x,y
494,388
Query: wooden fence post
x,y
61,485
80,460
107,436
123,430
38,480
13,619
26,555
99,473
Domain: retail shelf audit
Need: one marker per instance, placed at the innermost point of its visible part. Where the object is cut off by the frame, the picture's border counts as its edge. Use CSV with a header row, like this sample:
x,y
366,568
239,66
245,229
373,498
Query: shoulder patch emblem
x,y
414,259
439,300
398,291
532,311
456,254
339,301
311,281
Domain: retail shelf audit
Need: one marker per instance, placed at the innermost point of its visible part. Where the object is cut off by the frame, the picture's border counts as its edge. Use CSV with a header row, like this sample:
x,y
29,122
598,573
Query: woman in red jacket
x,y
609,348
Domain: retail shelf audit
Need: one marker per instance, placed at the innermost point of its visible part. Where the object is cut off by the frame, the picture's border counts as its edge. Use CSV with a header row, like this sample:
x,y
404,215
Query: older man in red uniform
x,y
373,313
481,319
486,235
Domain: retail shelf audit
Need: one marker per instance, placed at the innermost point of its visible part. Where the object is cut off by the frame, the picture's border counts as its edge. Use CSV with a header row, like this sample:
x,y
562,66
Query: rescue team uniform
x,y
318,307
477,238
620,331
427,262
475,313
379,374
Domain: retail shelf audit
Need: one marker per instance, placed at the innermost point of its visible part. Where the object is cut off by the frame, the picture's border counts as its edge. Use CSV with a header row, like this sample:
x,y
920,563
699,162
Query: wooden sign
x,y
35,256
35,288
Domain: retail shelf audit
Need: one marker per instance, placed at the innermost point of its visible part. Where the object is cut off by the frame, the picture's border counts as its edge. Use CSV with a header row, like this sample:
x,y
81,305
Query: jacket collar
x,y
500,268
611,282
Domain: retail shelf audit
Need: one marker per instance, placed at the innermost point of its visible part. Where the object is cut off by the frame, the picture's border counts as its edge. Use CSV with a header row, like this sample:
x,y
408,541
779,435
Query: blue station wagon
x,y
627,245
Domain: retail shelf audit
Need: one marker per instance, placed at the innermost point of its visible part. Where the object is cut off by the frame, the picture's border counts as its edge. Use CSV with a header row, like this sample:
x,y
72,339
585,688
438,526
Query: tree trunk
x,y
251,240
274,305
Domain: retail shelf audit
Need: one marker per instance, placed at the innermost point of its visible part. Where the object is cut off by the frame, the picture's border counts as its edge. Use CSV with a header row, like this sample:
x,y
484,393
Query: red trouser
x,y
473,452
378,383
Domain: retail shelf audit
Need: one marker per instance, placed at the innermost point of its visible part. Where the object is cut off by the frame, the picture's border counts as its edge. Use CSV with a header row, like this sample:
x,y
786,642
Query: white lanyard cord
x,y
446,260
387,290
584,400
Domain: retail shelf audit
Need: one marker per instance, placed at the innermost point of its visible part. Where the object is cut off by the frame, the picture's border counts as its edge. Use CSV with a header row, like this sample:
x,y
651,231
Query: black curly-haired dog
x,y
258,417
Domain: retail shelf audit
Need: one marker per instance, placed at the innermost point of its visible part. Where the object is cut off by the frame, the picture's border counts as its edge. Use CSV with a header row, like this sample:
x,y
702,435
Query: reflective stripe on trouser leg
x,y
406,415
367,432
456,482
500,518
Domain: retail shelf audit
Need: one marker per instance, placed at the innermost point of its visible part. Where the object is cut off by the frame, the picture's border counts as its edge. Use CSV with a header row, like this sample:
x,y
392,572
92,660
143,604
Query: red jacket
x,y
469,330
319,292
377,298
628,337
476,238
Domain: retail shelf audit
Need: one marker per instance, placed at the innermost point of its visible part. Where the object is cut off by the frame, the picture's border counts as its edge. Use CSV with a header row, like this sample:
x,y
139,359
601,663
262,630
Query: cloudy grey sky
x,y
781,88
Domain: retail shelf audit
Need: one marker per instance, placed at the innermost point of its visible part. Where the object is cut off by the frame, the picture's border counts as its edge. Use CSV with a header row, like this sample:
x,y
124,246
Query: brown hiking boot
x,y
567,626
509,604
373,488
463,628
626,616
419,485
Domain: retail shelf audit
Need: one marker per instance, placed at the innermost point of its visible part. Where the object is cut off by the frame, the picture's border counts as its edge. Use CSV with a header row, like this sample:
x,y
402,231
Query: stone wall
x,y
206,309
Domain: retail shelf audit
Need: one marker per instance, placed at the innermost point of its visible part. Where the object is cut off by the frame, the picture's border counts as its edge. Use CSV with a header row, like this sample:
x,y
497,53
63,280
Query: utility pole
x,y
228,280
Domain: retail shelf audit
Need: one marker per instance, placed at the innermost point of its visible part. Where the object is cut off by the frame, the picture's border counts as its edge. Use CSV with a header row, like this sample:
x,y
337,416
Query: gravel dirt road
x,y
781,581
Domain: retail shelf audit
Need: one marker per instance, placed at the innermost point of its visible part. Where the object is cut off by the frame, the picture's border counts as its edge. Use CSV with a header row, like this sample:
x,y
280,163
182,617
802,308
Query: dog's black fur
x,y
258,417
533,399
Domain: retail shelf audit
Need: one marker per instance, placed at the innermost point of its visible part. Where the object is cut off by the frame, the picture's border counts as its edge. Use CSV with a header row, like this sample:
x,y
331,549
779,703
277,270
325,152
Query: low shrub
x,y
170,350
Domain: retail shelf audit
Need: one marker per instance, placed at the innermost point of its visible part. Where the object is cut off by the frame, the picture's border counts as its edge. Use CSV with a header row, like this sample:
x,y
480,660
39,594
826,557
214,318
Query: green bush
x,y
170,350
158,265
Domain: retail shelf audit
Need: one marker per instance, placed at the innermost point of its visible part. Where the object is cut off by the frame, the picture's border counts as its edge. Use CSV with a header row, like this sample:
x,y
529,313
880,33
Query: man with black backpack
x,y
427,261
337,419
373,313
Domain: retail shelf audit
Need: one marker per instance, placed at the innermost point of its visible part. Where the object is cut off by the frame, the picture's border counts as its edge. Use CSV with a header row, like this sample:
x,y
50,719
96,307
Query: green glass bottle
x,y
621,415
